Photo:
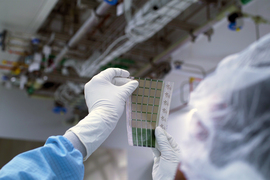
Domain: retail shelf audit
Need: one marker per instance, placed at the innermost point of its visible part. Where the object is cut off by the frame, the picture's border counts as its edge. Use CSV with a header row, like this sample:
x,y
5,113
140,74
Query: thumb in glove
x,y
167,147
166,156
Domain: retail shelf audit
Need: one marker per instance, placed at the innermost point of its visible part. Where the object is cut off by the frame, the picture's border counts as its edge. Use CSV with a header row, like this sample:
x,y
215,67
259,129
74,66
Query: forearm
x,y
57,159
92,131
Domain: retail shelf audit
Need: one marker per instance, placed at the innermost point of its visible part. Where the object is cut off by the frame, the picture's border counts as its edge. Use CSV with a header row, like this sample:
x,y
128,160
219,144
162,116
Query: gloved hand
x,y
105,97
166,156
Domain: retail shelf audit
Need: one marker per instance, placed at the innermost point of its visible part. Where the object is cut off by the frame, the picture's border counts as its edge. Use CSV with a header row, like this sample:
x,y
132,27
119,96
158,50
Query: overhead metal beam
x,y
165,54
59,78
182,25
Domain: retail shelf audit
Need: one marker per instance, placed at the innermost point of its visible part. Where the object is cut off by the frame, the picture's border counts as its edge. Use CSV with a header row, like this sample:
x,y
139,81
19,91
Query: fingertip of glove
x,y
125,73
159,132
159,129
135,83
132,85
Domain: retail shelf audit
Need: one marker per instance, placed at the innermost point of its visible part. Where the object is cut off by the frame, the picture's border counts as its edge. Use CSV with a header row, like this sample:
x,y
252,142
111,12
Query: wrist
x,y
94,129
108,114
77,144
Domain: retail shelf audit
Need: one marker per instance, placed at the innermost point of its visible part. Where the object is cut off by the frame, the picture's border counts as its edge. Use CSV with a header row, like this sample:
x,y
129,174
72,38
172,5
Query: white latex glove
x,y
105,97
166,156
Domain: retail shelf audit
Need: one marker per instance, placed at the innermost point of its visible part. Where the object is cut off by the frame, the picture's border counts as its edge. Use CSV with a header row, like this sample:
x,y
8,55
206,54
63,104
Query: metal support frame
x,y
202,29
182,25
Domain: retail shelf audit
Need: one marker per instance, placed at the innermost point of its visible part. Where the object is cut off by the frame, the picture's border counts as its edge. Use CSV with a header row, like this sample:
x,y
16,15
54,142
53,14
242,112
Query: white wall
x,y
24,16
26,118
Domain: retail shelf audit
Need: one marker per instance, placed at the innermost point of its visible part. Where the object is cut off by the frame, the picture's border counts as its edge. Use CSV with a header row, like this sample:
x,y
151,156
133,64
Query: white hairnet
x,y
229,133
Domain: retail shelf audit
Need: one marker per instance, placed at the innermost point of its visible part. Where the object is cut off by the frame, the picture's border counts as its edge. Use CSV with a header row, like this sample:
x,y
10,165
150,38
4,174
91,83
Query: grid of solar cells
x,y
145,106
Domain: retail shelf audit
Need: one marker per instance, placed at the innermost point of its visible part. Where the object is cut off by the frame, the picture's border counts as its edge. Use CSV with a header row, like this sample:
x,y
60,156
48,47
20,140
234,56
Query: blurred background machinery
x,y
80,38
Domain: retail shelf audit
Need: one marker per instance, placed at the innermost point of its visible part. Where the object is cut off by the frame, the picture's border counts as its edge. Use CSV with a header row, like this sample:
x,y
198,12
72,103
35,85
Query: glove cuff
x,y
168,170
75,142
94,129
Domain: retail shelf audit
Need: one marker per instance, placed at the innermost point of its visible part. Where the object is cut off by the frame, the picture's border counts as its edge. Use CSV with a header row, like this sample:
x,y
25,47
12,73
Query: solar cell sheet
x,y
147,108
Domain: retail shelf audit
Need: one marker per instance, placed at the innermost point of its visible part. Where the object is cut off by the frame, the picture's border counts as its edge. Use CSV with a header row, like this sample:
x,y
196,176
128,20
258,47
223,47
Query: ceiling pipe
x,y
167,53
145,23
89,24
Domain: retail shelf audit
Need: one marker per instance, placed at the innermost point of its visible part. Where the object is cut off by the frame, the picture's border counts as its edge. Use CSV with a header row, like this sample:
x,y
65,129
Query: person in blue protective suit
x,y
62,156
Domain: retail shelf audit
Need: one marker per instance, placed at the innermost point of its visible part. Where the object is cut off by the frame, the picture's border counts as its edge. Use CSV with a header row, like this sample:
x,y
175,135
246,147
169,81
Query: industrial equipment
x,y
81,38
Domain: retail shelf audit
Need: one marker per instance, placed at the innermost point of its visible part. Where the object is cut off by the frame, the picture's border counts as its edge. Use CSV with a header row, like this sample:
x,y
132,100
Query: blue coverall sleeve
x,y
57,159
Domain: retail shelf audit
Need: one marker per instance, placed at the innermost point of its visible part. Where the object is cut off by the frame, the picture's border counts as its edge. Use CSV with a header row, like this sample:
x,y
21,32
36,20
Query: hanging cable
x,y
86,68
145,23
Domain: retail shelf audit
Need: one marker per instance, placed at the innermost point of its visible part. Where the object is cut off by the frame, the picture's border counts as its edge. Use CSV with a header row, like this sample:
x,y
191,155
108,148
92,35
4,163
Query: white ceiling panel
x,y
24,15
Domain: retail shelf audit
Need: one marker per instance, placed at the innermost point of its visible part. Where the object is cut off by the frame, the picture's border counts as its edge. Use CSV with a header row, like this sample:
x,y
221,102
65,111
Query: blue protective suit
x,y
57,159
